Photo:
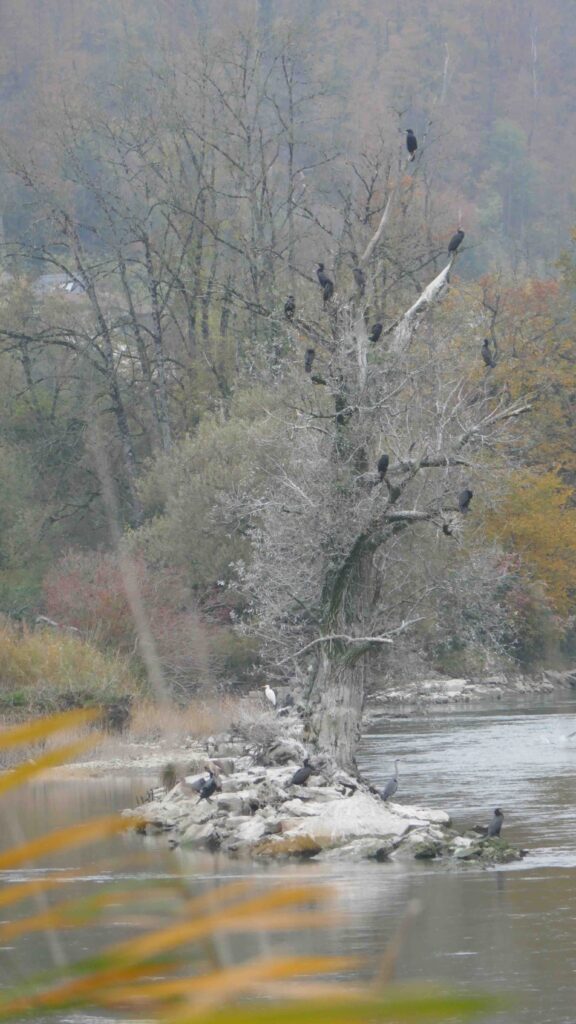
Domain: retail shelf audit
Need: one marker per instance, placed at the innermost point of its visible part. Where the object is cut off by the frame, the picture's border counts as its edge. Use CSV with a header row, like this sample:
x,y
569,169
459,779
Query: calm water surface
x,y
511,929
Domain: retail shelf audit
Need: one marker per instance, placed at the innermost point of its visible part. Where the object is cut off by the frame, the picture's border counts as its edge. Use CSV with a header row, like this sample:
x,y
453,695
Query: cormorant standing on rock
x,y
383,463
360,278
495,826
289,308
487,355
391,786
455,241
309,357
411,143
464,499
209,786
375,332
269,694
326,284
301,776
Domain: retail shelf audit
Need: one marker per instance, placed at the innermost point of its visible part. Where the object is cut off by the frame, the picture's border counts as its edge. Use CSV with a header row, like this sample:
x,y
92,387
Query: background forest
x,y
174,486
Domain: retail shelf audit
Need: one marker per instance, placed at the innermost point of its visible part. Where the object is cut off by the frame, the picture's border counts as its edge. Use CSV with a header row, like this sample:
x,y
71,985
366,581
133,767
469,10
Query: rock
x,y
426,849
202,837
419,814
370,848
287,846
471,852
284,751
342,821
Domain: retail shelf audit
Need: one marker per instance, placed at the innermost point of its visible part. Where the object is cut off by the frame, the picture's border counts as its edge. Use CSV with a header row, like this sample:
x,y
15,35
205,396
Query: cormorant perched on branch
x,y
360,278
464,499
326,284
289,307
455,241
375,332
383,463
487,356
411,142
309,357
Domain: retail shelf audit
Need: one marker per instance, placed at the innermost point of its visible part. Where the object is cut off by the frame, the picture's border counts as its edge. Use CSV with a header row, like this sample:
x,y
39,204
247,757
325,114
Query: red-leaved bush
x,y
86,590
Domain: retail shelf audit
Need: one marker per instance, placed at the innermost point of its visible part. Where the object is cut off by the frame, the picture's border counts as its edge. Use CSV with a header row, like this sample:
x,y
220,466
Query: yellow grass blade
x,y
30,732
65,839
70,913
26,890
246,916
25,772
222,985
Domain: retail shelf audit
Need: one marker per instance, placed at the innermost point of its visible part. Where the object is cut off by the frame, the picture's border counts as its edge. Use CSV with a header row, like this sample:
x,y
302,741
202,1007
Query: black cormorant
x,y
360,278
391,786
383,463
289,307
209,786
375,332
487,355
411,142
326,284
464,499
301,776
495,826
309,357
455,241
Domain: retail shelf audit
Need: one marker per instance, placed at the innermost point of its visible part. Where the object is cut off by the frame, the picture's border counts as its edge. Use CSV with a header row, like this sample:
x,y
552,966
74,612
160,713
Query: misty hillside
x,y
490,86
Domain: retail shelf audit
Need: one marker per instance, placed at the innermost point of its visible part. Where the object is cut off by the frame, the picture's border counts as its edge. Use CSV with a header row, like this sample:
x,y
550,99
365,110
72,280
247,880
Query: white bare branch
x,y
405,327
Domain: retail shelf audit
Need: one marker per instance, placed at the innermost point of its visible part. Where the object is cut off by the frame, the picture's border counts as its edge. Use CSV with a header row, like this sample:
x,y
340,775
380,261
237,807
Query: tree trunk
x,y
336,713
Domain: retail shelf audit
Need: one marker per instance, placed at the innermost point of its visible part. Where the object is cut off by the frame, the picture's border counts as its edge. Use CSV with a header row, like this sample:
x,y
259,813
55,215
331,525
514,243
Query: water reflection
x,y
510,930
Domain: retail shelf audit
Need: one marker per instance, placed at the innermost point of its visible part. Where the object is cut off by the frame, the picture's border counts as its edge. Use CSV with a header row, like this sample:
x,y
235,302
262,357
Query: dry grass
x,y
32,661
202,717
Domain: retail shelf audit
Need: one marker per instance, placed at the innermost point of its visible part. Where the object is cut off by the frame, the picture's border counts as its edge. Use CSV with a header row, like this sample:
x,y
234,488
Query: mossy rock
x,y
302,846
426,849
498,851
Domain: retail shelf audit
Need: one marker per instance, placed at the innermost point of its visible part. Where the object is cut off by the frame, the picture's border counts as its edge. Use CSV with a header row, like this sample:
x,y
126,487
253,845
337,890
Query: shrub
x,y
86,590
46,667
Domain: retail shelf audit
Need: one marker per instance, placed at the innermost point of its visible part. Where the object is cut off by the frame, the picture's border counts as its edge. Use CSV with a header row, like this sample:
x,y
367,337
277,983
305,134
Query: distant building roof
x,y
46,284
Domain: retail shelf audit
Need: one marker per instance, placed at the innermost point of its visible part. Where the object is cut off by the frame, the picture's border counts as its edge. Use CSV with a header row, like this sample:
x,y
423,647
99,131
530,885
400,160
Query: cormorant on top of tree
x,y
487,356
360,278
326,284
383,463
455,240
411,142
289,307
375,332
464,499
309,357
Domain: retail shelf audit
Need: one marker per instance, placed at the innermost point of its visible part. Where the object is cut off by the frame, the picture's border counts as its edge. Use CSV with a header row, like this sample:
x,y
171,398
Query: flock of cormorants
x,y
327,285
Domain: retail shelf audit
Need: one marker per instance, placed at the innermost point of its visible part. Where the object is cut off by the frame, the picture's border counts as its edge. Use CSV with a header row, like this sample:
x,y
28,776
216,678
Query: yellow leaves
x,y
537,520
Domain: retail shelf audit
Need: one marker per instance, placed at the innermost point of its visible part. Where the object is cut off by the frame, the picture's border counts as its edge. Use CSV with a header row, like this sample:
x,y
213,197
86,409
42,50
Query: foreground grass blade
x,y
31,732
26,772
408,1006
65,839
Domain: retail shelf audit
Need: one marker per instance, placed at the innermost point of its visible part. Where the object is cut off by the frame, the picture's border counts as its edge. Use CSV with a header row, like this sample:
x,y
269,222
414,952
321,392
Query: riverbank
x,y
444,690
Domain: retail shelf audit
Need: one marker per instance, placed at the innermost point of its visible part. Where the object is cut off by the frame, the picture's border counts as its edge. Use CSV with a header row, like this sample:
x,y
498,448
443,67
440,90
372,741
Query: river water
x,y
510,929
